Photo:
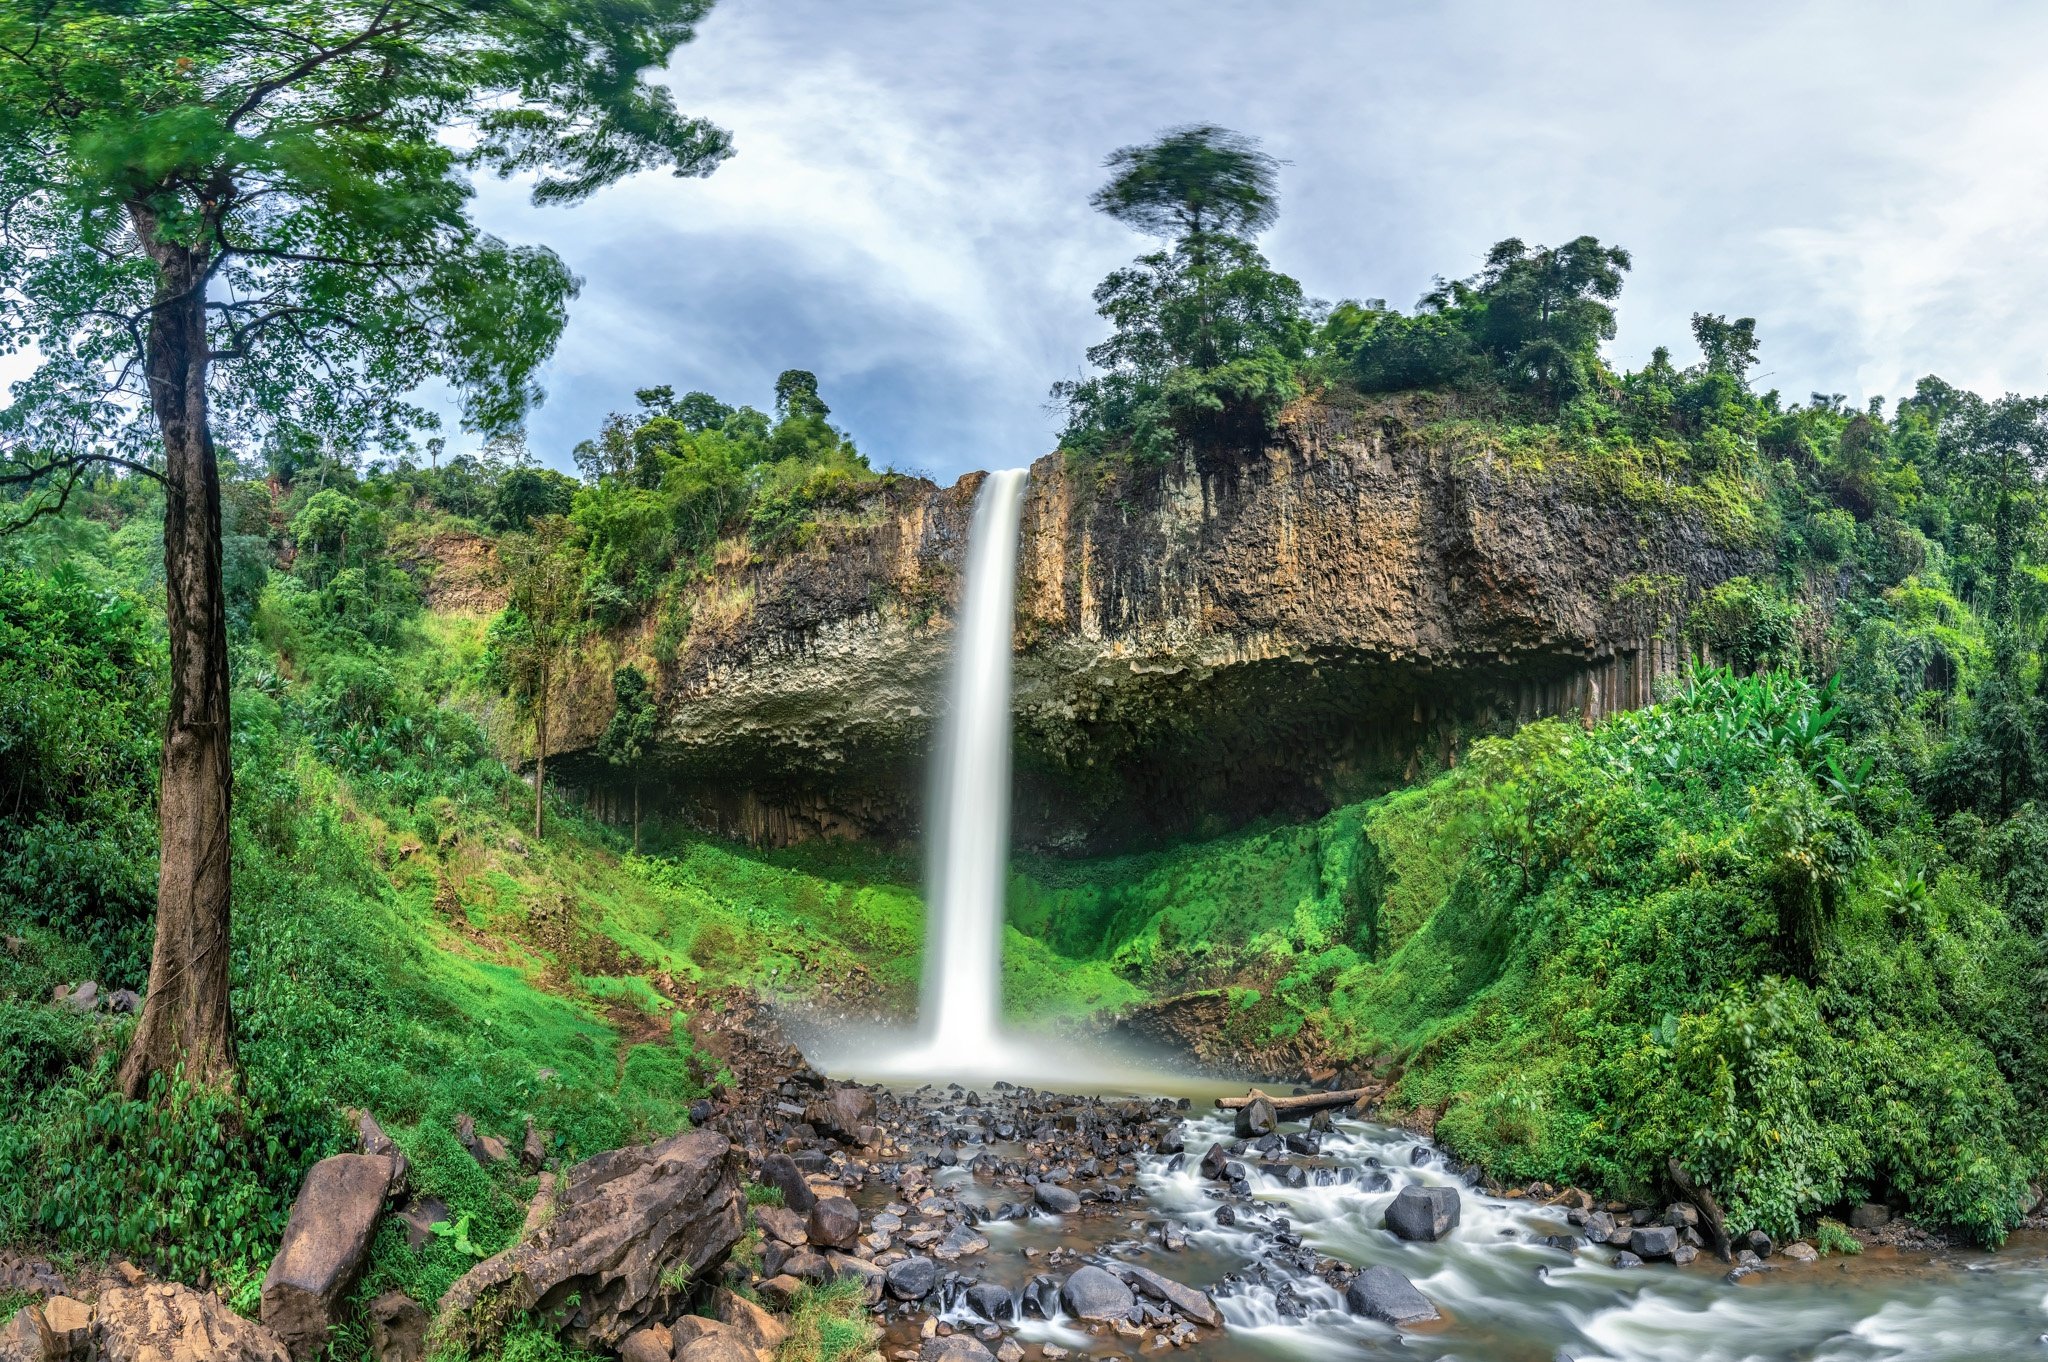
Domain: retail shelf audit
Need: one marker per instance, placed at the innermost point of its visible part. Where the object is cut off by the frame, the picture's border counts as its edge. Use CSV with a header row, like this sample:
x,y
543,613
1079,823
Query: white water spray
x,y
968,822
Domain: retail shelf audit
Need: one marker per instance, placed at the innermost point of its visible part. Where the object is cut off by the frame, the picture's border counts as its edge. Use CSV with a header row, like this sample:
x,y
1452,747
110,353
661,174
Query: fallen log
x,y
1709,1209
1295,1106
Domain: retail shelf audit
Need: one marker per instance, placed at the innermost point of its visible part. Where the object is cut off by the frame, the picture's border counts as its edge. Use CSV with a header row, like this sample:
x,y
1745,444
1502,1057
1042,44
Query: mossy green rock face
x,y
1197,644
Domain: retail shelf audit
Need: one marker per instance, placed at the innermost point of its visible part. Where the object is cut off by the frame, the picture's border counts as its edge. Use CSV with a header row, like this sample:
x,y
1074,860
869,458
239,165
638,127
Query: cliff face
x,y
1197,646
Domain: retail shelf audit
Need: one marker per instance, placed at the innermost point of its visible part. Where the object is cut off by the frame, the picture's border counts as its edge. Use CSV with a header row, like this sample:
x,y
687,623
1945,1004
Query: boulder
x,y
912,1278
623,1221
652,1343
167,1322
1653,1241
70,1325
533,1149
756,1327
687,1329
806,1265
1423,1214
1196,1305
1256,1117
1095,1294
1216,1163
326,1243
487,1150
84,998
1870,1216
846,1267
954,1348
993,1302
1625,1259
834,1223
27,1338
124,1001
1386,1295
721,1346
782,1225
1801,1252
398,1328
780,1172
844,1114
1055,1199
781,1290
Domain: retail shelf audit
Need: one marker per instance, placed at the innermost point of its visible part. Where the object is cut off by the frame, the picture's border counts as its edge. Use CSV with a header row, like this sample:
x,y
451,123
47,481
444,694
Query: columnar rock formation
x,y
1197,644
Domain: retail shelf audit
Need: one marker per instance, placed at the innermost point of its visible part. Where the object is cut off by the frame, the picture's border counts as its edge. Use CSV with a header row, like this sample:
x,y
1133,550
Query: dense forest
x,y
1787,927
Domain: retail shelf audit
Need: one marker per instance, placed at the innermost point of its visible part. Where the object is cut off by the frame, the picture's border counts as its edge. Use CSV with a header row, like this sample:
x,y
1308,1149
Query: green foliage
x,y
295,155
1832,1236
830,1323
1748,623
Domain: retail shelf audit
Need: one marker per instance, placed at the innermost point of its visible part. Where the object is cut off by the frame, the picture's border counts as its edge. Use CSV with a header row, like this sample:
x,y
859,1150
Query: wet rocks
x,y
1801,1252
1095,1294
993,1302
1216,1163
326,1242
623,1220
1255,1118
954,1348
1870,1216
1423,1214
1653,1241
912,1278
1382,1293
1196,1305
166,1322
1055,1199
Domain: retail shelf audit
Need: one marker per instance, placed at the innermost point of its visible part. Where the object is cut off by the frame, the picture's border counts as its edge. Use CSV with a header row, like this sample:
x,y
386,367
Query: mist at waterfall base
x,y
960,1035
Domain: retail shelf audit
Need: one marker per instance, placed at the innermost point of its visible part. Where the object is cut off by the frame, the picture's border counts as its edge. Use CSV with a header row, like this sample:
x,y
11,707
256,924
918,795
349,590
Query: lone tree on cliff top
x,y
250,219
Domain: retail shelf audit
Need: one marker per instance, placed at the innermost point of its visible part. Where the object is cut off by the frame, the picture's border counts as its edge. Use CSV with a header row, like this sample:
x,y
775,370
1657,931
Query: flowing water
x,y
1506,1294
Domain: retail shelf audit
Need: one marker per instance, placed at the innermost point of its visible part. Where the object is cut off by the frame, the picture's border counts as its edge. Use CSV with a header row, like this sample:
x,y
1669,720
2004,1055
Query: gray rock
x,y
993,1302
1256,1117
1386,1295
1801,1252
1625,1259
911,1279
1423,1214
1653,1241
1870,1216
1216,1163
1055,1199
326,1243
1095,1294
1196,1305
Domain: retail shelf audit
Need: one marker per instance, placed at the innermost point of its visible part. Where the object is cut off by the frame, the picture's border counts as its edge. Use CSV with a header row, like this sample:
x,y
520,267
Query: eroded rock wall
x,y
1197,646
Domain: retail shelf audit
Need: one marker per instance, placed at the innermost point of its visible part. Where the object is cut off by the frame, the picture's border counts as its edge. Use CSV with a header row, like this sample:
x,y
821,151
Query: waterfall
x,y
968,817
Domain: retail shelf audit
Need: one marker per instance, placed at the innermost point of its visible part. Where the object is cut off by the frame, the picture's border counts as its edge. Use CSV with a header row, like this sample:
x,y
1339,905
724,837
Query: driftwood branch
x,y
1297,1106
1709,1209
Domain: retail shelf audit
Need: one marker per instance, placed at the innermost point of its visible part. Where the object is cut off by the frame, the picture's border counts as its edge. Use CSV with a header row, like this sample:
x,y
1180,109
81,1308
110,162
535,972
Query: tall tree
x,y
544,609
244,218
631,732
1190,183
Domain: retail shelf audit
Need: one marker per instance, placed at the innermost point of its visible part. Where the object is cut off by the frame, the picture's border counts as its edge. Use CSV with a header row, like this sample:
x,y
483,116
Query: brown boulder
x,y
844,1114
781,1289
624,1221
756,1327
834,1223
782,1225
70,1324
846,1267
651,1344
690,1328
166,1322
398,1328
722,1346
27,1338
326,1243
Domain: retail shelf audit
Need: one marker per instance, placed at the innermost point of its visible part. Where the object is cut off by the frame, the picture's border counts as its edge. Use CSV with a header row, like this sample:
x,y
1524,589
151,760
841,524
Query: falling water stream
x,y
969,818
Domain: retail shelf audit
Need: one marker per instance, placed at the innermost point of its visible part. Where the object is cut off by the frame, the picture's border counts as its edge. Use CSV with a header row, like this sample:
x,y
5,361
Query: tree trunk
x,y
186,1023
636,814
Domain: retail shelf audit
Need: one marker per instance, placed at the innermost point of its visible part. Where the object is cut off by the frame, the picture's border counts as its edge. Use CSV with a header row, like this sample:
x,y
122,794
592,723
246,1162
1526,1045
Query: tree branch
x,y
265,89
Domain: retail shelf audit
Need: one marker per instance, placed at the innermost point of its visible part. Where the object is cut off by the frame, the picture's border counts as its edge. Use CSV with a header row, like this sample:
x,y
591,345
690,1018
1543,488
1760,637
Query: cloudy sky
x,y
907,213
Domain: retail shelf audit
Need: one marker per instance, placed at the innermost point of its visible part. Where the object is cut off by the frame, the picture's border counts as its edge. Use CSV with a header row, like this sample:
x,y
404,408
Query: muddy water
x,y
1505,1295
